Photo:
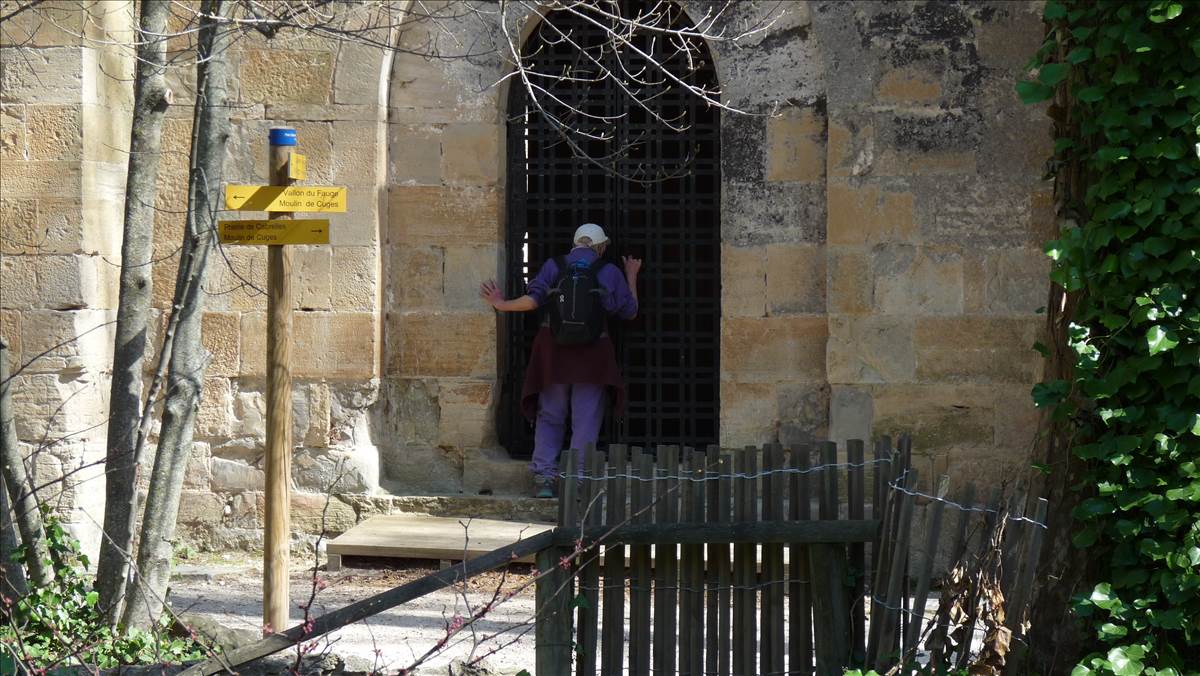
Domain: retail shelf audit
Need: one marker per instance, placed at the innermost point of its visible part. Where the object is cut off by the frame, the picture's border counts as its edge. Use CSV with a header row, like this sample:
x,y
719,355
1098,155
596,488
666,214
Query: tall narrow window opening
x,y
655,188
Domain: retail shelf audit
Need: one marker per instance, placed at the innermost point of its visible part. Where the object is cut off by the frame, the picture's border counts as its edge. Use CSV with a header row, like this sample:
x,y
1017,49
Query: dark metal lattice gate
x,y
656,191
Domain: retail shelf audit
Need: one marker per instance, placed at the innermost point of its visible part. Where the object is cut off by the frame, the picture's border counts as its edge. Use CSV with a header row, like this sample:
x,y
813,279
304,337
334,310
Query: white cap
x,y
592,232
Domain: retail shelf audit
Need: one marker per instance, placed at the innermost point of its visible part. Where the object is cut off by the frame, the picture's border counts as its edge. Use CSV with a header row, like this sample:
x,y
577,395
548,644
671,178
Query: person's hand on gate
x,y
491,293
632,267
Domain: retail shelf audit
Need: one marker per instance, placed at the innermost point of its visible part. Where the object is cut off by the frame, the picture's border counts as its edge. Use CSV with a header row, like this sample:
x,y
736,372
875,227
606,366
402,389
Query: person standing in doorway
x,y
573,364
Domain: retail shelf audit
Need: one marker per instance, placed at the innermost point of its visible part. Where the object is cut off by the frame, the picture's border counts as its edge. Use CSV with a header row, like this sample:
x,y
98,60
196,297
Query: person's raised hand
x,y
632,265
491,293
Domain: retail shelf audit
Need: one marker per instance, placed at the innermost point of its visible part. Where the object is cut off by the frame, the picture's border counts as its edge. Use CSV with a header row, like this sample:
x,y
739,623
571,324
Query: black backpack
x,y
576,313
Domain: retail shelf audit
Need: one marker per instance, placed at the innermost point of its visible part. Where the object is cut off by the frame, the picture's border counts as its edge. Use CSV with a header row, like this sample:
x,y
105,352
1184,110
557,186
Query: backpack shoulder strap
x,y
561,262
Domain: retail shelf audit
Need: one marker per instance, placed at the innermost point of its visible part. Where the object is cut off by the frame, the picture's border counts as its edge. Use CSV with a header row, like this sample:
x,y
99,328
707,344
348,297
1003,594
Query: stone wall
x,y
882,219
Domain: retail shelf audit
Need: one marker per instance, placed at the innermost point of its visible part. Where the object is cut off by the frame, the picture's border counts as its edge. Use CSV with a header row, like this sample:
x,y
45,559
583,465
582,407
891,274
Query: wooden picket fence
x,y
761,561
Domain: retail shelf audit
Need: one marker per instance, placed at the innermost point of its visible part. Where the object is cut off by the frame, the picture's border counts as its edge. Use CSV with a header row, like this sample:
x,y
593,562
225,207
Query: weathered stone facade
x,y
881,267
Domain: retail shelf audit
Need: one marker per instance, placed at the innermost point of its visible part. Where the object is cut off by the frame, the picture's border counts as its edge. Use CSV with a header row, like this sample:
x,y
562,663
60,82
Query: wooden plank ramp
x,y
421,536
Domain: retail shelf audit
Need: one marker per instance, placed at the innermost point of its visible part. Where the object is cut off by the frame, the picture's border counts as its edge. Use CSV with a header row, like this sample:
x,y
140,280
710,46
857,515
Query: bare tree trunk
x,y
133,310
12,582
20,490
210,134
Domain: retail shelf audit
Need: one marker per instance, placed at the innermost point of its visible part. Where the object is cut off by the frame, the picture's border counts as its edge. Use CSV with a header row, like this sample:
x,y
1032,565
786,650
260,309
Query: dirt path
x,y
230,594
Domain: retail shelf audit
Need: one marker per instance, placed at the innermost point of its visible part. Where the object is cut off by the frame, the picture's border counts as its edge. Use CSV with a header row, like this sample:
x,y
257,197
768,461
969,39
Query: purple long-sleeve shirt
x,y
617,300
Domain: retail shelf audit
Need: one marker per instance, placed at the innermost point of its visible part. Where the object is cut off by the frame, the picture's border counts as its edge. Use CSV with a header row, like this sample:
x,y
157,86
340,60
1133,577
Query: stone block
x,y
356,157
54,132
285,75
803,411
864,214
418,84
361,224
851,147
851,413
796,146
421,470
200,508
66,340
466,420
909,85
870,349
743,281
1018,421
938,416
773,349
766,213
918,280
749,413
232,476
415,277
59,24
12,132
311,277
38,179
52,75
311,403
336,471
214,418
67,282
10,331
490,471
1012,281
20,282
354,275
976,213
978,349
443,216
892,162
246,290
464,269
412,411
19,232
415,155
198,473
325,344
220,333
471,154
352,76
850,281
743,148
795,278
457,344
317,513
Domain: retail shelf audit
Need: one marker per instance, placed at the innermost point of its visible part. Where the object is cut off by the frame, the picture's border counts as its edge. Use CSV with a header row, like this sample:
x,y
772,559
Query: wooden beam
x,y
372,606
763,532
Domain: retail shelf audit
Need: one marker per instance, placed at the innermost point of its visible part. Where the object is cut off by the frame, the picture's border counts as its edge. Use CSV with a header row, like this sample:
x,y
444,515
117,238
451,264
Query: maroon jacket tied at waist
x,y
551,363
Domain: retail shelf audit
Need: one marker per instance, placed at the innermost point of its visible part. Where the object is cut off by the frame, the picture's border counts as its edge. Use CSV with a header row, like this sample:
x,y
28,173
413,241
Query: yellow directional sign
x,y
297,166
308,198
281,231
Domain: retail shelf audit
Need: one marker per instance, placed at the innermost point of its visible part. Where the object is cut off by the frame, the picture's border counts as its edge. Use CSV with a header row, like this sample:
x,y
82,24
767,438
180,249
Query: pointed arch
x,y
655,189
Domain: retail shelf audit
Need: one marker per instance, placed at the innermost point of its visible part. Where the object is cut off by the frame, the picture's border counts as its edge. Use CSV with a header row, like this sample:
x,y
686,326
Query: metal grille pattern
x,y
656,192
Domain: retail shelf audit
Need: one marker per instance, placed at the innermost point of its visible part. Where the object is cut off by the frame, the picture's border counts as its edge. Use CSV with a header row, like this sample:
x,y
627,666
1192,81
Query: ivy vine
x,y
1129,248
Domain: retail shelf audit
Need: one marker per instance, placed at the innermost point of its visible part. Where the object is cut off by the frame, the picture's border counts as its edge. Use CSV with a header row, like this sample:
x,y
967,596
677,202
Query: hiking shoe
x,y
543,487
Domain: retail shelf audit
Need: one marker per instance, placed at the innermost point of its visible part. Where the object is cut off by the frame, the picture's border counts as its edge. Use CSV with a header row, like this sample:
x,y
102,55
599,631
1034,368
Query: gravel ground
x,y
230,594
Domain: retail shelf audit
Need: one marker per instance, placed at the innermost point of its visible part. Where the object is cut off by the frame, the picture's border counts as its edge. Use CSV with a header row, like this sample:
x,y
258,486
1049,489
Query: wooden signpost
x,y
280,199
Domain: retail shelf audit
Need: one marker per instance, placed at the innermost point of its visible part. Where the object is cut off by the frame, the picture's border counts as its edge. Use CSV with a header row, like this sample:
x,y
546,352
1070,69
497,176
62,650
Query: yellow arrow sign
x,y
308,198
282,231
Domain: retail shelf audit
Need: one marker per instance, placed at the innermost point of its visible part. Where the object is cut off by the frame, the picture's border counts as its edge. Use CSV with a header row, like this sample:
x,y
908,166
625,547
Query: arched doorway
x,y
656,190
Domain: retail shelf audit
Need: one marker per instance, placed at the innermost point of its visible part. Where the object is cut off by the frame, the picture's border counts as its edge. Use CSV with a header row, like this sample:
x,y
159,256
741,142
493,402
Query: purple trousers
x,y
586,404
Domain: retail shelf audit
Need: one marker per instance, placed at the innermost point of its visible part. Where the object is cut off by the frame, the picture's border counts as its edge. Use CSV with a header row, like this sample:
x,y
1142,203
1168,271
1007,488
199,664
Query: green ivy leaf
x,y
1079,55
1054,10
1126,74
1090,94
1033,92
1053,73
1123,663
1159,340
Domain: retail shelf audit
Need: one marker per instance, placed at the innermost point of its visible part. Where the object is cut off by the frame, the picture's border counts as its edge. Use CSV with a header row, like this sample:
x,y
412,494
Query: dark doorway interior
x,y
656,191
